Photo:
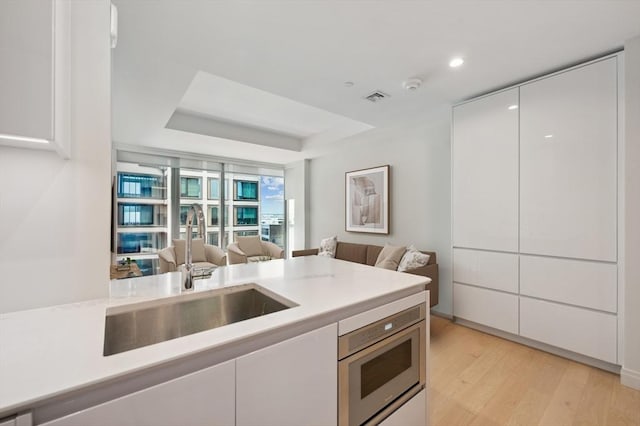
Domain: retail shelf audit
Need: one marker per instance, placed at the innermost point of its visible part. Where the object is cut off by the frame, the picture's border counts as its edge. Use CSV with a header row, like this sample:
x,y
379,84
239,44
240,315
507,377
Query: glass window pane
x,y
213,238
214,189
246,216
184,211
190,187
141,242
131,185
245,190
212,216
272,226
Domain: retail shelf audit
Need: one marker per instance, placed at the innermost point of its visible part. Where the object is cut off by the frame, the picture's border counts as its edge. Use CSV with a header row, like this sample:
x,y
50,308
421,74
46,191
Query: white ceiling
x,y
266,78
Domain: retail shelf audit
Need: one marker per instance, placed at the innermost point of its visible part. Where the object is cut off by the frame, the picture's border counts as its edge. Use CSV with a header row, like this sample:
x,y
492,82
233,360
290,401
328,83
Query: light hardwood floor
x,y
482,380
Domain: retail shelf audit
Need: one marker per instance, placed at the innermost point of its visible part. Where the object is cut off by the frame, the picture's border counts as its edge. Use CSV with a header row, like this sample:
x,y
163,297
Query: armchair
x,y
203,255
253,249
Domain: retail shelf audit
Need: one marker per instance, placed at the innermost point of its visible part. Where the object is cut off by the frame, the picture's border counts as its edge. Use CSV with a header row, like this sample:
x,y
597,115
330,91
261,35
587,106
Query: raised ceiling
x,y
264,80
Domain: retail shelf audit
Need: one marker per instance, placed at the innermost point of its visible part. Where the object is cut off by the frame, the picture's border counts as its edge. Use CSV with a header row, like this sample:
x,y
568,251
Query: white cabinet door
x,y
489,269
487,307
291,383
26,74
576,282
568,152
579,330
205,397
485,173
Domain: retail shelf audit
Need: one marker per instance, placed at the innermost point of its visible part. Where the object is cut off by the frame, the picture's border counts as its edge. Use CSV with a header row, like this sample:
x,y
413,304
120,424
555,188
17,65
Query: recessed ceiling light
x,y
512,107
348,84
456,62
548,136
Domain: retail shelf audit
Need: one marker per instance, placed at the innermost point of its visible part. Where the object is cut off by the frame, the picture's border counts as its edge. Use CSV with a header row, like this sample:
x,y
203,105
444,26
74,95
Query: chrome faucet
x,y
187,268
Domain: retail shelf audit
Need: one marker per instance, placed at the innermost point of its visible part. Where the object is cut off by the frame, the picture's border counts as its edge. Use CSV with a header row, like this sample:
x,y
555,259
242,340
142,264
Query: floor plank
x,y
482,380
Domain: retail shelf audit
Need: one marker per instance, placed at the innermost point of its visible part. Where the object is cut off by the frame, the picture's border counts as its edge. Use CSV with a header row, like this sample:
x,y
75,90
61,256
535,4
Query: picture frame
x,y
367,200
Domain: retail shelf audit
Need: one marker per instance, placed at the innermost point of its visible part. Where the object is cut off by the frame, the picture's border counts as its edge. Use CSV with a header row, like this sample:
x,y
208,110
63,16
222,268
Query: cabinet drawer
x,y
589,284
488,307
579,330
412,413
486,269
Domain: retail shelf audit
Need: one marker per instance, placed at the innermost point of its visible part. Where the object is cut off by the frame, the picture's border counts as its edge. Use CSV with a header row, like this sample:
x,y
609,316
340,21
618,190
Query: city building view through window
x,y
148,213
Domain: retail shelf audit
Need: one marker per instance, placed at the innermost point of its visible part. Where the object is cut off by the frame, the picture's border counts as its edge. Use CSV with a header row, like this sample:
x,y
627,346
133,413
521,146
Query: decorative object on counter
x,y
368,255
253,249
328,247
367,200
124,264
130,271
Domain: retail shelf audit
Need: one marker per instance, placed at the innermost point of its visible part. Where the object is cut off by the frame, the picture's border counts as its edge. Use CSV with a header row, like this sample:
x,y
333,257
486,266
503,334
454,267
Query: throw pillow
x,y
412,259
390,256
197,250
328,247
251,246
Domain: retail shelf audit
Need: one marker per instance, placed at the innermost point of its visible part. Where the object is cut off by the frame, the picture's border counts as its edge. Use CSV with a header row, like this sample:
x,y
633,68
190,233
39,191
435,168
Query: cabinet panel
x,y
487,269
204,397
485,173
488,307
291,383
577,282
568,143
412,413
26,74
579,330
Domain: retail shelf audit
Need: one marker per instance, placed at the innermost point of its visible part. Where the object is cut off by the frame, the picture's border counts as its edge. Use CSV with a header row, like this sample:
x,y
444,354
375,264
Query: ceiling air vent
x,y
376,96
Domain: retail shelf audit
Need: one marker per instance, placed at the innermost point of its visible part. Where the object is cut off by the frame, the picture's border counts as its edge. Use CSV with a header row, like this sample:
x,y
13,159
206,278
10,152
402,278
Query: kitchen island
x,y
52,363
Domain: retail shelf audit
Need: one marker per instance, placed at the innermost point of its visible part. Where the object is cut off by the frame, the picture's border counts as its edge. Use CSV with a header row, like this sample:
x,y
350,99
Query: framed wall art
x,y
367,200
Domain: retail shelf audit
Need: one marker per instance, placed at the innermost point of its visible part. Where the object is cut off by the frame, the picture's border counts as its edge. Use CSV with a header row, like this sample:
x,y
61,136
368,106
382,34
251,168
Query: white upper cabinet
x,y
34,76
485,173
568,152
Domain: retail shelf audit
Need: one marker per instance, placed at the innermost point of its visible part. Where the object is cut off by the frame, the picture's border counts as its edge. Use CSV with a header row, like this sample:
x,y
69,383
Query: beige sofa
x,y
202,255
367,254
253,249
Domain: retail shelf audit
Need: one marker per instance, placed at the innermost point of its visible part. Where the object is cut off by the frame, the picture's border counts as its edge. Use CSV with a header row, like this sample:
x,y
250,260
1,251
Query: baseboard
x,y
630,378
603,365
441,315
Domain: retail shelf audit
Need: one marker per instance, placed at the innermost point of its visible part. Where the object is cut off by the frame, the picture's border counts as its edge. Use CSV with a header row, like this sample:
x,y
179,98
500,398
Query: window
x,y
212,217
135,215
184,211
245,190
213,238
190,187
140,186
141,242
245,216
214,189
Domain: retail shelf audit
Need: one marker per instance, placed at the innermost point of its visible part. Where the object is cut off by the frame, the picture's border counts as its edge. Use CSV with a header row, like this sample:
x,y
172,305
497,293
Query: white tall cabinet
x,y
535,207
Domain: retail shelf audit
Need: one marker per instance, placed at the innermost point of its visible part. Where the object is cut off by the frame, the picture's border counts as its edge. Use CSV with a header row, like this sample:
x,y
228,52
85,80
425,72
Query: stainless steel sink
x,y
133,326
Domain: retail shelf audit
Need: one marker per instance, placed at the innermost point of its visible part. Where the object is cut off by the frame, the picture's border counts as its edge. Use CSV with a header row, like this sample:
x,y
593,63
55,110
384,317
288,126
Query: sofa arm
x,y
235,254
272,250
307,252
430,271
215,255
167,258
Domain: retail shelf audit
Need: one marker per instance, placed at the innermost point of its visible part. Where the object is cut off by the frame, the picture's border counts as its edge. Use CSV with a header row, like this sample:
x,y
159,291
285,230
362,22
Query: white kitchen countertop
x,y
50,351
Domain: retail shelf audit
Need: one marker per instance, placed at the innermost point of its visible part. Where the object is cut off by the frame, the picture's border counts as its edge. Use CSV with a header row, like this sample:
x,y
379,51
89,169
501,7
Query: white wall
x,y
630,374
54,213
296,183
420,191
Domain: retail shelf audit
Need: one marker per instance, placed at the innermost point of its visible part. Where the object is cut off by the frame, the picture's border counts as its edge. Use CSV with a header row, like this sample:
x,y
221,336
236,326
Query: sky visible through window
x,y
272,195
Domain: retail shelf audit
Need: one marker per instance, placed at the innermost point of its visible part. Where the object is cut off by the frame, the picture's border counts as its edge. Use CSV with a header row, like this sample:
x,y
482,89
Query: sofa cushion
x,y
351,252
260,258
412,259
328,247
197,250
251,246
372,254
390,256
